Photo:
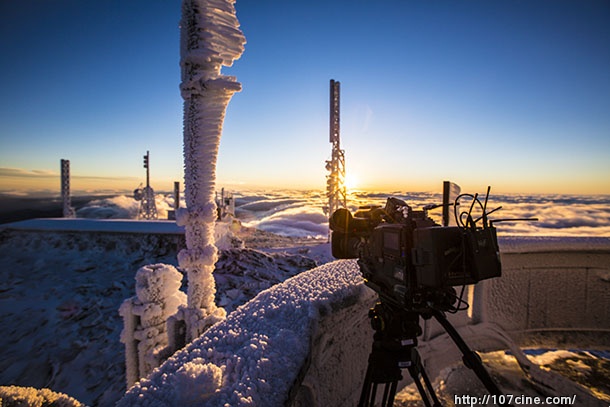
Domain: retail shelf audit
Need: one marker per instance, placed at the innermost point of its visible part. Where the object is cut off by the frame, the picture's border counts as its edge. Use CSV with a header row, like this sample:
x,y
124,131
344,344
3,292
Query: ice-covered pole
x,y
209,38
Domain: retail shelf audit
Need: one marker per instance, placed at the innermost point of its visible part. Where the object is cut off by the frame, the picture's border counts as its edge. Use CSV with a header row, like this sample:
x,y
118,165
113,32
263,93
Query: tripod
x,y
395,348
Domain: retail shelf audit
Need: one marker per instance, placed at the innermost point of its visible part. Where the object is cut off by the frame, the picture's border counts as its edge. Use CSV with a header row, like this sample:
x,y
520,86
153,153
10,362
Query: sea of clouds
x,y
302,213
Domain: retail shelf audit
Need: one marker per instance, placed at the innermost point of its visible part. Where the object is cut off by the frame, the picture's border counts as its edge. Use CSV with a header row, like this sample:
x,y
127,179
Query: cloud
x,y
287,213
118,207
300,214
123,207
39,183
22,173
298,222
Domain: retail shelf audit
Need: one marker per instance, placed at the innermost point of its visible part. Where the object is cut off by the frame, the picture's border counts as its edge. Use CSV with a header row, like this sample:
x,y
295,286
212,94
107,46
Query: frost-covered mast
x,y
68,210
148,207
335,181
209,38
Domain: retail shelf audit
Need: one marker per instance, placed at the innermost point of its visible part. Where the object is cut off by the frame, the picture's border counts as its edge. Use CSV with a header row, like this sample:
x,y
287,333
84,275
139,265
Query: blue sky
x,y
511,93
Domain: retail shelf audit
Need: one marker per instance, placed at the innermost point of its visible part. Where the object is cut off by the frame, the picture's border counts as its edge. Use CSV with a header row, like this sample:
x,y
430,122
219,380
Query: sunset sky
x,y
513,94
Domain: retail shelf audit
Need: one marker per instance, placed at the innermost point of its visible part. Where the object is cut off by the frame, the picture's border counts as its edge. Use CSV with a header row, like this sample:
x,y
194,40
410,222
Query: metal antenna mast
x,y
335,180
148,208
68,210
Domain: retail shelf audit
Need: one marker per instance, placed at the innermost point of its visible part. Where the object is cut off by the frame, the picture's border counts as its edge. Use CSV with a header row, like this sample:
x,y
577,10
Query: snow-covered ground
x,y
60,293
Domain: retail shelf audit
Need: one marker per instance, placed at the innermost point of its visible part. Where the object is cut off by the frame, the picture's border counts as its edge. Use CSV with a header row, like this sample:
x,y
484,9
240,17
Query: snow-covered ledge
x,y
263,350
306,341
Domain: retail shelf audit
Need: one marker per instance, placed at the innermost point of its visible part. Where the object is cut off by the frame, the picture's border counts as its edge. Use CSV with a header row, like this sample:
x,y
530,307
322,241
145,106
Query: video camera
x,y
411,261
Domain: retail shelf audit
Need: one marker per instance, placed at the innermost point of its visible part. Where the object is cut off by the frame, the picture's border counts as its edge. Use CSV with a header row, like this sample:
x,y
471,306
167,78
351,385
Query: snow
x,y
257,352
31,397
59,298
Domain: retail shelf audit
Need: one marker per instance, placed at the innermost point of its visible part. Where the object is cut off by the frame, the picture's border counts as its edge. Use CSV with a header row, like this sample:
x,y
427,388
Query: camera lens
x,y
340,220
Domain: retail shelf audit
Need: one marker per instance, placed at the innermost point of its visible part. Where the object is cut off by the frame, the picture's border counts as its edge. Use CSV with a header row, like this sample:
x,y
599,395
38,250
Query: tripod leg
x,y
366,388
373,395
388,396
428,383
471,359
415,372
420,388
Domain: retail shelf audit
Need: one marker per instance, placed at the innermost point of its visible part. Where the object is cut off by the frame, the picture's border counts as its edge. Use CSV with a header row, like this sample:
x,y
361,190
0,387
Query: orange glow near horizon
x,y
27,182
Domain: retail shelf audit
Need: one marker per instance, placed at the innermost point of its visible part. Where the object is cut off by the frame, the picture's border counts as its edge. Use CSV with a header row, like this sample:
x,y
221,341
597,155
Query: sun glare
x,y
351,181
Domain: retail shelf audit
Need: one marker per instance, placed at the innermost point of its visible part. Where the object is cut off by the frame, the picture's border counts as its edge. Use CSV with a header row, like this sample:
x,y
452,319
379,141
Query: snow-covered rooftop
x,y
97,225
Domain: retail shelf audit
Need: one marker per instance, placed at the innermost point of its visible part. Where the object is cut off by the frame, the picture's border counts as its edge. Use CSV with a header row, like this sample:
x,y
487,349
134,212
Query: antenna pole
x,y
147,166
148,207
335,180
68,210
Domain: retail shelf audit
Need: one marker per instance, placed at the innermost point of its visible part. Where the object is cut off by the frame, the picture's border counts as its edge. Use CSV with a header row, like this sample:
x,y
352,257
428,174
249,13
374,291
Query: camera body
x,y
410,260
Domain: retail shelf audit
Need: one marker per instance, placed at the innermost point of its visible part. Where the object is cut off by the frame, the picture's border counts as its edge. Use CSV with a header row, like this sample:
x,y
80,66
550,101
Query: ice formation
x,y
144,334
209,38
29,396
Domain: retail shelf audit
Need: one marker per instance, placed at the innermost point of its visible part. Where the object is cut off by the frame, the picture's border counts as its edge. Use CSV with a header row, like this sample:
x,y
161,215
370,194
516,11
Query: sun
x,y
351,181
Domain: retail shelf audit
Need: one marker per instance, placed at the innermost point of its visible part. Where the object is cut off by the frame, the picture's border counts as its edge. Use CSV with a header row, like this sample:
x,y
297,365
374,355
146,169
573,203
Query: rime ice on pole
x,y
209,38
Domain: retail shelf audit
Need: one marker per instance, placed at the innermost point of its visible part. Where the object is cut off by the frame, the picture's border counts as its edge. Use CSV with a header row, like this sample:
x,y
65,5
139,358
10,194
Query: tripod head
x,y
394,349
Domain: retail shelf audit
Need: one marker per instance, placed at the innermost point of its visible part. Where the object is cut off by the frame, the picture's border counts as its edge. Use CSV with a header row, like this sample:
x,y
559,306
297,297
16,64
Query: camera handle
x,y
395,348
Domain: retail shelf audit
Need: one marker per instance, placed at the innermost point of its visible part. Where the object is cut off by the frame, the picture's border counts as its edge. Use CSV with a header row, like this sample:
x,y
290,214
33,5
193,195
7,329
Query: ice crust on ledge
x,y
253,357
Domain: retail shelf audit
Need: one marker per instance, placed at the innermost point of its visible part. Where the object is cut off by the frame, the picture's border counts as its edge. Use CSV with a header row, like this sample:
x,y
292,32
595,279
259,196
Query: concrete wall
x,y
553,298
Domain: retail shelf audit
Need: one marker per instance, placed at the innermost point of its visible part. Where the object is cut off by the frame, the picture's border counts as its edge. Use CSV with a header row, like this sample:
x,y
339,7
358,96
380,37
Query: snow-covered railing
x,y
145,316
306,341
